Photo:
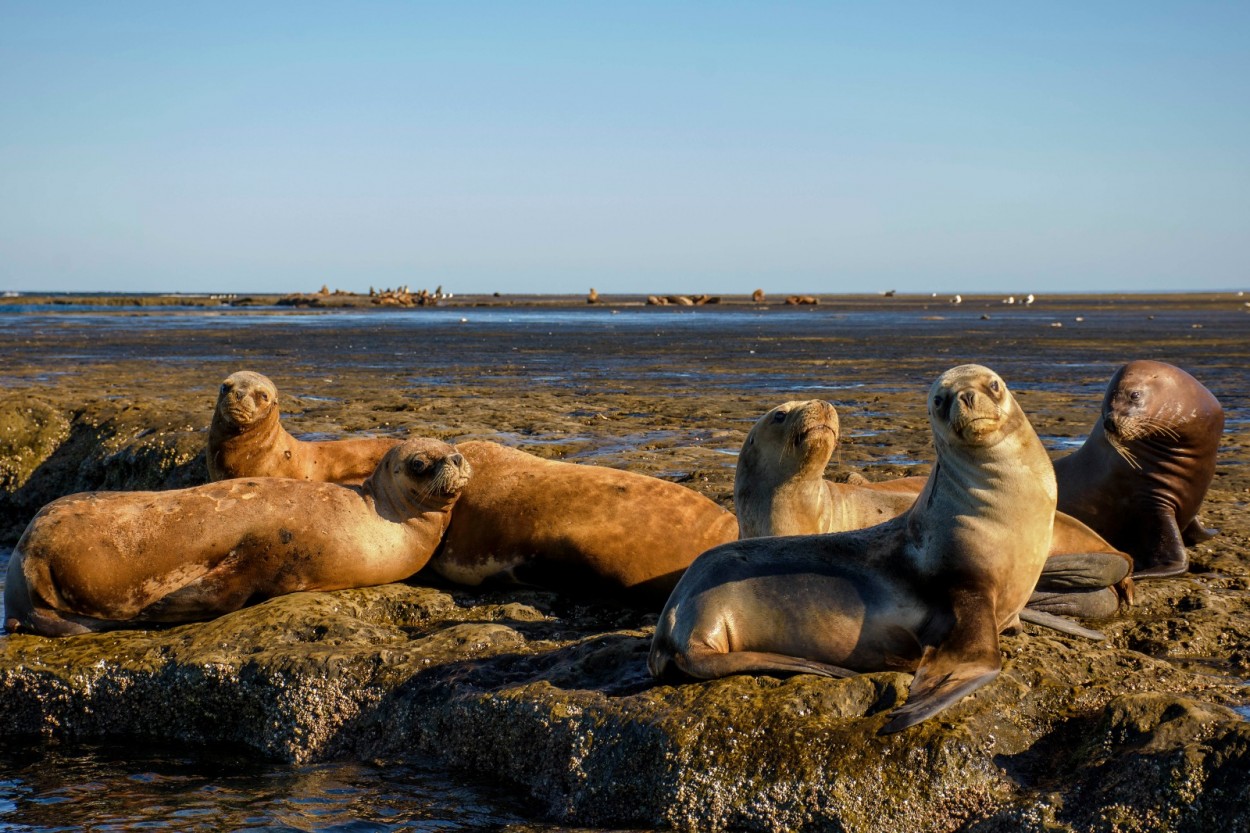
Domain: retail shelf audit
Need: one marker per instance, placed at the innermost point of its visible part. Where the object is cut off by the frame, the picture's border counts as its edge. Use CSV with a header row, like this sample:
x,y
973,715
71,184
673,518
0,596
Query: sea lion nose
x,y
1108,423
968,397
456,459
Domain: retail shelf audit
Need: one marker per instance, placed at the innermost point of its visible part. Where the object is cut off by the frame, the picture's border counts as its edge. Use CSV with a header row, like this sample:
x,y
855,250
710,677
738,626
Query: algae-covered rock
x,y
30,430
47,452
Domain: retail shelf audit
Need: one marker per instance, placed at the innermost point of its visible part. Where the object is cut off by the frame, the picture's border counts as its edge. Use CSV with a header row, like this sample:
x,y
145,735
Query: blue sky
x,y
633,147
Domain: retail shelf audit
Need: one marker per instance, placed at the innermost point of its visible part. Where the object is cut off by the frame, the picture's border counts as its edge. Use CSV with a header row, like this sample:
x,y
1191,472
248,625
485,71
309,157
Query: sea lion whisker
x,y
1123,450
1167,427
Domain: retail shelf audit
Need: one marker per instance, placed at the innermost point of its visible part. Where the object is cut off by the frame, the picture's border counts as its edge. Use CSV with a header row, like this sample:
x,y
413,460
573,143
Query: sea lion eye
x,y
264,397
417,466
938,402
780,416
994,386
1135,395
222,390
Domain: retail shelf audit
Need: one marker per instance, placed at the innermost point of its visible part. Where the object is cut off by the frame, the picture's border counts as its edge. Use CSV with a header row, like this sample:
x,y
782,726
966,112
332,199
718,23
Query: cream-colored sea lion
x,y
575,527
1141,475
779,482
928,591
780,489
246,439
102,560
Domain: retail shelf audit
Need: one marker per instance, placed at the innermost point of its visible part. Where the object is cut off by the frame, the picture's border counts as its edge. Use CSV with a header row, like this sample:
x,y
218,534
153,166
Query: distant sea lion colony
x,y
917,574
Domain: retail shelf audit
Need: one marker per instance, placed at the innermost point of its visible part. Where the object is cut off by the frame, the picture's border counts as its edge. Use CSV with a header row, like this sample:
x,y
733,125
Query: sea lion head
x,y
1157,404
970,406
793,438
422,471
245,398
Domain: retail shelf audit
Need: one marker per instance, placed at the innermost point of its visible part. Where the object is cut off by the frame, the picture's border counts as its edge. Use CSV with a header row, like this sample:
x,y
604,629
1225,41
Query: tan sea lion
x,y
1141,475
928,591
246,439
780,489
102,560
575,527
779,482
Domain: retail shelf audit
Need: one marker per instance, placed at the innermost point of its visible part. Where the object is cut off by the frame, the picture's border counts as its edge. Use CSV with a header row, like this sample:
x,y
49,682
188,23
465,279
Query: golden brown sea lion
x,y
246,439
101,560
779,482
575,527
1144,470
928,591
780,489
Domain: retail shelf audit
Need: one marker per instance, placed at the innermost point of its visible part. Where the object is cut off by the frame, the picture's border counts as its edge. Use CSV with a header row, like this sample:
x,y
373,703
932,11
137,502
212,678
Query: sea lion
x,y
780,489
246,439
101,560
1141,475
927,591
575,527
779,483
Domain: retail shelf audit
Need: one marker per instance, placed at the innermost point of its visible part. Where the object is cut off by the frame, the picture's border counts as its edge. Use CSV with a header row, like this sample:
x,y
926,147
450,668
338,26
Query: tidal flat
x,y
549,695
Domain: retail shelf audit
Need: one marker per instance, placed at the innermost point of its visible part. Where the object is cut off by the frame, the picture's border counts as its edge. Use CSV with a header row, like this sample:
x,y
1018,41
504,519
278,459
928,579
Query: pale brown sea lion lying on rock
x,y
246,439
780,489
1144,470
101,560
928,591
578,528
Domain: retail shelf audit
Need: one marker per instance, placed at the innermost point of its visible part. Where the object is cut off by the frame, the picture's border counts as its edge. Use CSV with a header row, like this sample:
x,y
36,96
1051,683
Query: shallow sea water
x,y
102,788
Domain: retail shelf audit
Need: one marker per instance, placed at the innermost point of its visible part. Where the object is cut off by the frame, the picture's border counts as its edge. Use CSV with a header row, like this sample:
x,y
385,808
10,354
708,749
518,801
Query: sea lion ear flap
x,y
963,661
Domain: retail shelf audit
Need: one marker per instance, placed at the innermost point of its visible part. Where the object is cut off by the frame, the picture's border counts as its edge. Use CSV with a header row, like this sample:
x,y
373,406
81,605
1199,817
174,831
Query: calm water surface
x,y
98,788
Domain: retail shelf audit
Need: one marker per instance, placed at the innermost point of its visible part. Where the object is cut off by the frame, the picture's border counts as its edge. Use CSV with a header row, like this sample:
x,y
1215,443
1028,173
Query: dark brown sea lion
x,y
102,560
1141,475
246,439
575,527
928,591
780,489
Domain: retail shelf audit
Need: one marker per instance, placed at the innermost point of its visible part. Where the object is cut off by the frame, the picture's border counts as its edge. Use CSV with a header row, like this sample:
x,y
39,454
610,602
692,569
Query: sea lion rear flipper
x,y
1083,571
966,659
1045,619
1165,556
1195,532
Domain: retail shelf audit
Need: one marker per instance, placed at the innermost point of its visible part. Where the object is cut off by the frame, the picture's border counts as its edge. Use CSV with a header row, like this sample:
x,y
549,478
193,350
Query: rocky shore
x,y
551,694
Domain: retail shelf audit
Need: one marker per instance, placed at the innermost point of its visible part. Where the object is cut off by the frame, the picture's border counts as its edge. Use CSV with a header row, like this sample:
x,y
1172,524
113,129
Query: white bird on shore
x,y
1029,299
958,299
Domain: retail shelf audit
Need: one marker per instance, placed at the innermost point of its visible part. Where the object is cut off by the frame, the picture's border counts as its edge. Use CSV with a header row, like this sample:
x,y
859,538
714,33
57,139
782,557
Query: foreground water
x,y
49,788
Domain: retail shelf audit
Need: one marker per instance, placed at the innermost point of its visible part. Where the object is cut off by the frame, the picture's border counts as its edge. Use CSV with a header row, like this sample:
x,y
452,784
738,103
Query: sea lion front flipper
x,y
1195,532
708,665
966,659
1165,553
1084,571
